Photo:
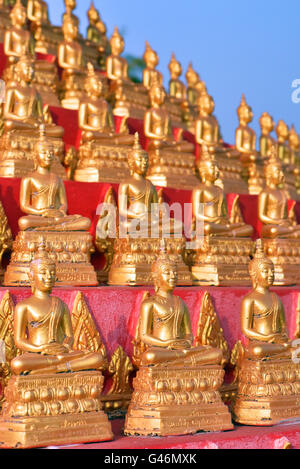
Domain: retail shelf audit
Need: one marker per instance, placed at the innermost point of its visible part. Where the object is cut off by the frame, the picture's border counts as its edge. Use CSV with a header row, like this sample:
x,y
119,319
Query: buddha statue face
x,y
45,154
266,123
70,30
175,68
70,4
294,139
274,174
206,103
151,58
192,77
138,162
93,15
42,275
262,272
18,15
94,86
167,276
117,43
25,70
282,131
209,171
157,95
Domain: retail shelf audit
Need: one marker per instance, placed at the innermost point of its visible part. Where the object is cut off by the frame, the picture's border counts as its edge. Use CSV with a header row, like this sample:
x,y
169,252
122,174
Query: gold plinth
x,y
133,260
47,38
285,255
17,155
177,401
222,262
175,112
231,175
53,410
70,250
129,102
268,392
46,82
172,169
102,163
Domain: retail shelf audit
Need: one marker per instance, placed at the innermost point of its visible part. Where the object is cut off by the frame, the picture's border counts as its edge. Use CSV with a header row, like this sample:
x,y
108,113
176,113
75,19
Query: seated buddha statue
x,y
282,132
47,37
96,34
18,42
99,141
213,264
266,141
52,385
151,74
179,108
130,99
23,114
285,153
142,223
166,166
166,349
43,200
294,143
268,377
195,85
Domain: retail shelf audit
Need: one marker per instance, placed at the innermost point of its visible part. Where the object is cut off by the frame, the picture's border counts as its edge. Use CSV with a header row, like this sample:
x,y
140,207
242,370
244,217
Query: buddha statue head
x,y
42,271
25,69
117,42
205,103
282,131
164,270
157,94
175,68
267,123
273,169
261,268
138,158
70,5
93,14
18,14
44,150
207,166
244,112
294,139
150,57
69,28
93,84
192,76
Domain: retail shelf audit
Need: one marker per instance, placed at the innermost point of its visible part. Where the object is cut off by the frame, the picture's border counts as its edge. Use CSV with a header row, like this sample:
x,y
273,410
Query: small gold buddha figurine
x,y
70,6
4,17
281,234
141,228
43,199
167,356
285,154
294,143
47,37
103,153
18,42
195,85
150,74
23,114
268,387
210,212
96,34
53,386
178,106
171,162
70,59
266,141
130,99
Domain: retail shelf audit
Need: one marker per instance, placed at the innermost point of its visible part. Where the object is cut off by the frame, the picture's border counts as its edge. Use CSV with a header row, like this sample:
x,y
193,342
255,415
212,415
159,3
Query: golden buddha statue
x,y
102,153
266,141
195,85
178,106
167,356
171,162
70,6
22,115
268,387
130,99
285,154
207,132
294,143
43,199
150,74
142,223
4,18
18,42
213,262
281,234
96,34
70,59
47,37
52,384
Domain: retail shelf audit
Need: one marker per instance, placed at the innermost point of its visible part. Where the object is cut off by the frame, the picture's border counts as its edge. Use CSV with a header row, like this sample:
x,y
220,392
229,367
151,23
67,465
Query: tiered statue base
x,y
275,396
177,401
172,169
102,163
222,262
47,38
53,410
69,249
133,260
4,22
17,155
130,102
230,175
285,254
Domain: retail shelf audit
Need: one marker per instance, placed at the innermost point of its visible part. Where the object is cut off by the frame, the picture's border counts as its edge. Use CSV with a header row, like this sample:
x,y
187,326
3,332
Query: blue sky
x,y
237,46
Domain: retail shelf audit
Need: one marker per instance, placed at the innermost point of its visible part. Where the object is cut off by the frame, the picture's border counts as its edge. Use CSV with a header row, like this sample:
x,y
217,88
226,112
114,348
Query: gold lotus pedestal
x,y
53,409
222,262
285,255
268,393
102,163
70,250
177,401
133,260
